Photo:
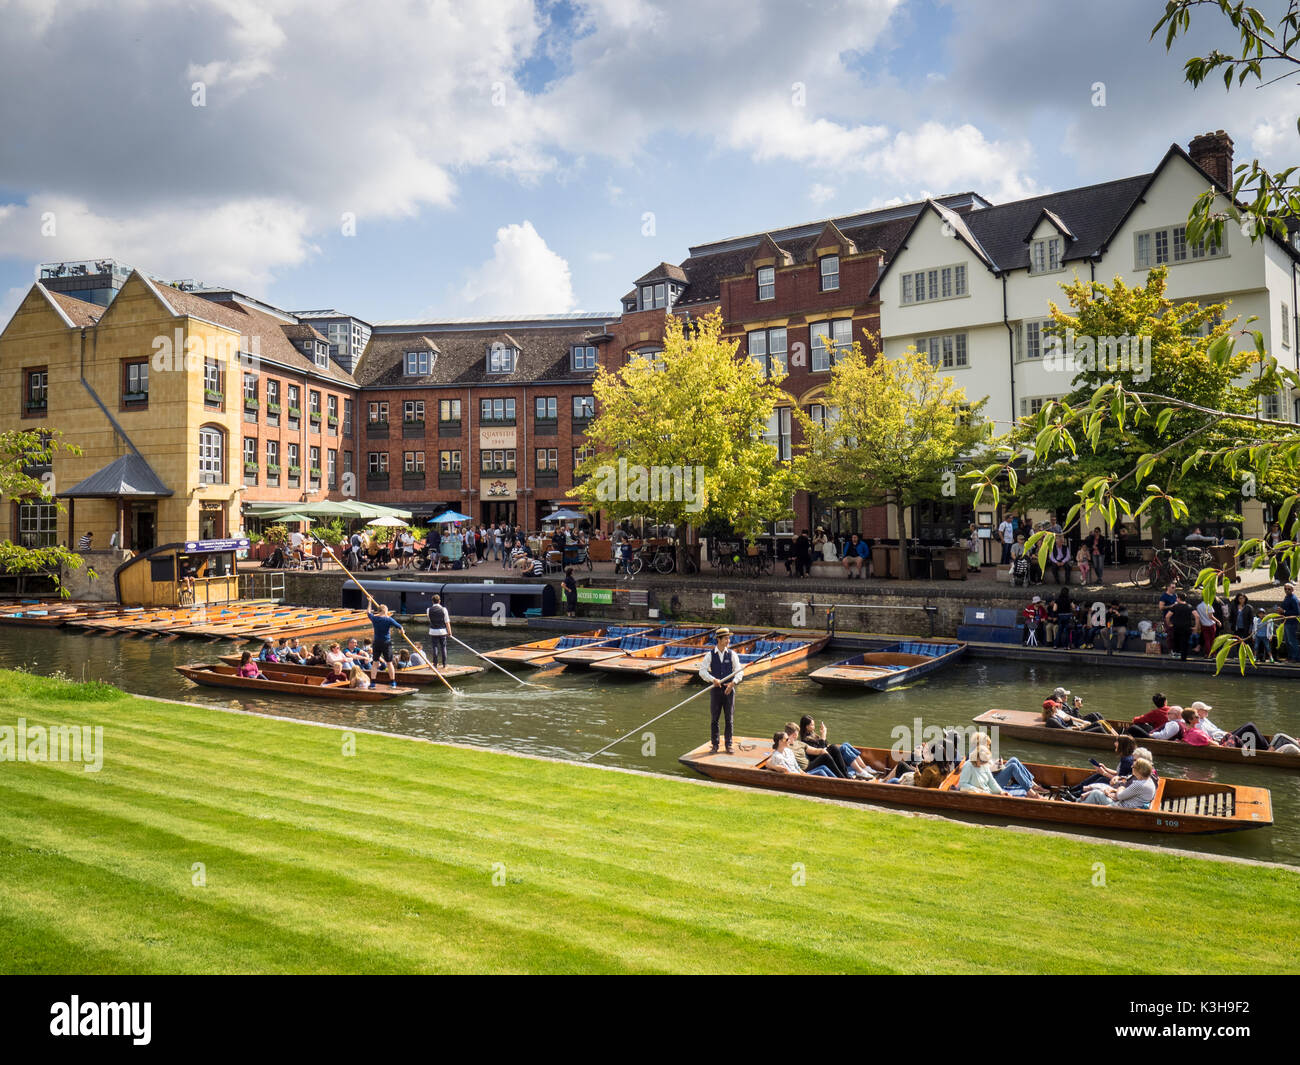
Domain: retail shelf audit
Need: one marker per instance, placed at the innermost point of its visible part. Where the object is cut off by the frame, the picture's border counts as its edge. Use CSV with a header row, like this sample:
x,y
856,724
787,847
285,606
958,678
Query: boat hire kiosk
x,y
183,574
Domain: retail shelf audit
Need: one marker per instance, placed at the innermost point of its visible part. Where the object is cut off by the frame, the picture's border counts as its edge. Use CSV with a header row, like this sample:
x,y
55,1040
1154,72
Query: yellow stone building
x,y
155,391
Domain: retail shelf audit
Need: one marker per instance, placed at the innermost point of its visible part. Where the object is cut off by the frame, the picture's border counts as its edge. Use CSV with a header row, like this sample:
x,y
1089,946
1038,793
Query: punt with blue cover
x,y
616,646
540,654
891,666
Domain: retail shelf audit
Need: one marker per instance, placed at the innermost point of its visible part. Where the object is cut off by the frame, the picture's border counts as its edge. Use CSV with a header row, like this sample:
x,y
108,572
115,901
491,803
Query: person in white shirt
x,y
782,759
1007,534
295,543
1137,795
721,668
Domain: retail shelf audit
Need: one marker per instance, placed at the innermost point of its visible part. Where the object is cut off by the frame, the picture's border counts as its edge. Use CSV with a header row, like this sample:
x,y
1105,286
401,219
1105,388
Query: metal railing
x,y
268,585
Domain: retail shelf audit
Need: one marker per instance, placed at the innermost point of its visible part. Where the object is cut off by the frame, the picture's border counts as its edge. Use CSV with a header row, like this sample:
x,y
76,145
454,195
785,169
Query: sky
x,y
431,159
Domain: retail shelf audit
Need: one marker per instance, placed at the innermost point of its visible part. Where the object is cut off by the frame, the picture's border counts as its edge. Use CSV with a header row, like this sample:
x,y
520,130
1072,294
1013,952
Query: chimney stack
x,y
1212,152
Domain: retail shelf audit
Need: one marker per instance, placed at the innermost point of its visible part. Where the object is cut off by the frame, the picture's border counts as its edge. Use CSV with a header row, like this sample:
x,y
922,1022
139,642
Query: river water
x,y
582,711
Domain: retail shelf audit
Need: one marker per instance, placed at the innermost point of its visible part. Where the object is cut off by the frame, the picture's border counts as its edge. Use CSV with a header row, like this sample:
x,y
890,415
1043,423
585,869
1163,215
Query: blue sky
x,y
502,156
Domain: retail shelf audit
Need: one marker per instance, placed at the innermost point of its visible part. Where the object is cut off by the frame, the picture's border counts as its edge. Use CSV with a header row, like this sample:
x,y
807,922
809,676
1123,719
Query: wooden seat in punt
x,y
660,660
540,654
759,658
418,675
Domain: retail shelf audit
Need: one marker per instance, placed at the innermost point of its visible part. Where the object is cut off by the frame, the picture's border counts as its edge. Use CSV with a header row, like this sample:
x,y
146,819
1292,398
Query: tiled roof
x,y
80,312
273,341
462,356
662,272
303,331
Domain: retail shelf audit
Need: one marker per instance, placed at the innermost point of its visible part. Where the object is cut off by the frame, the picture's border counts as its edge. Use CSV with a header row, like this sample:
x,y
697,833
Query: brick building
x,y
484,417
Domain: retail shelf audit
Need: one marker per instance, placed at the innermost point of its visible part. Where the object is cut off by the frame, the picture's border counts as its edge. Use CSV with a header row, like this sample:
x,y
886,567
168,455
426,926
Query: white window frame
x,y
1167,246
501,359
767,355
419,363
1045,256
946,351
582,357
777,432
765,278
212,455
823,357
826,275
929,285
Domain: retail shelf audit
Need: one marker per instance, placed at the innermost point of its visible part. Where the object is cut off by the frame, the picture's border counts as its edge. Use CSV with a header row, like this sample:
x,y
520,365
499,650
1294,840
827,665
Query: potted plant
x,y
315,473
333,420
295,412
211,395
250,402
273,408
273,469
315,417
250,467
295,471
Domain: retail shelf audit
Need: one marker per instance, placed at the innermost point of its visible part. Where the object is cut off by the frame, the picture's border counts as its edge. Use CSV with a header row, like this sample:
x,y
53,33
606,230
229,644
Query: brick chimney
x,y
1212,152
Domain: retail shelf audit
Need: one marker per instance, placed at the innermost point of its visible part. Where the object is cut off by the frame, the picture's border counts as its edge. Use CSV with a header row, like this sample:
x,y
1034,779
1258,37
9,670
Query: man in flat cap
x,y
721,669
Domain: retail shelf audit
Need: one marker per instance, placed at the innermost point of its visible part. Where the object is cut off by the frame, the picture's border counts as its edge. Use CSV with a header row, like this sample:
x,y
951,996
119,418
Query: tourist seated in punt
x,y
809,758
297,652
848,759
317,656
782,758
411,660
247,667
1126,748
1057,716
335,657
1136,795
358,678
1073,706
267,654
1192,732
356,654
288,651
1143,725
1238,737
981,774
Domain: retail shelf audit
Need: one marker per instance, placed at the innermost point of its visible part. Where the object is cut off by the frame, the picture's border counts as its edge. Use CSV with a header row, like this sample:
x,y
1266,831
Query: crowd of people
x,y
1180,629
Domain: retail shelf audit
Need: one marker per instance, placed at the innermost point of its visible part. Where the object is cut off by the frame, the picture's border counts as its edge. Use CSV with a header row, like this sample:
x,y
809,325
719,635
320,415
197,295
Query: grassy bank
x,y
385,861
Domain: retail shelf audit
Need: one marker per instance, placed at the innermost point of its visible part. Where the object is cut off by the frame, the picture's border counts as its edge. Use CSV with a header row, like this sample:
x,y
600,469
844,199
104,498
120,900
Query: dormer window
x,y
322,355
582,357
501,359
830,273
657,296
767,282
1045,255
419,363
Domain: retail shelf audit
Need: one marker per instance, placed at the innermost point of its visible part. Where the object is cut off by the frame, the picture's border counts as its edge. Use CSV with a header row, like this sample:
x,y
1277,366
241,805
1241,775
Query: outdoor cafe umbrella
x,y
564,515
388,523
448,516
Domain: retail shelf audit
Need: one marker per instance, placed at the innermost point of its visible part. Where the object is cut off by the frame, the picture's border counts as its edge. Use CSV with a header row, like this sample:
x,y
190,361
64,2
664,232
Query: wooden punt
x,y
308,625
1027,725
758,657
180,623
418,675
1180,806
890,667
220,675
661,659
617,647
540,654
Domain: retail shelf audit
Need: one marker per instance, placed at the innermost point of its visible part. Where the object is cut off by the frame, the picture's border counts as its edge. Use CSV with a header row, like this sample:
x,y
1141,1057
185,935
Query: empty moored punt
x,y
417,675
541,653
273,681
768,652
890,667
1026,725
1180,806
582,657
660,660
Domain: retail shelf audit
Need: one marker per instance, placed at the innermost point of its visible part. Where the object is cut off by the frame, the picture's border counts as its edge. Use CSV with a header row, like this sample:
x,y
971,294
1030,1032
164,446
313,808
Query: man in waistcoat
x,y
721,669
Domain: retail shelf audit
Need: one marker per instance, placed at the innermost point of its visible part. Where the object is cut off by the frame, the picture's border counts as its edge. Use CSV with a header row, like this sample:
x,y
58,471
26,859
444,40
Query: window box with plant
x,y
251,467
295,412
250,403
273,470
315,473
295,471
314,417
333,421
213,397
273,408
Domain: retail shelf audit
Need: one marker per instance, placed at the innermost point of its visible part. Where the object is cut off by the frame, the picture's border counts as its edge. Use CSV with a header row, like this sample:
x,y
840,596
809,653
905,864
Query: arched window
x,y
212,455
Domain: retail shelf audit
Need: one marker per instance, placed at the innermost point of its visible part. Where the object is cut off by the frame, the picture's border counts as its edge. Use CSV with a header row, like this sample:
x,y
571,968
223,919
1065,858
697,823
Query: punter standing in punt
x,y
721,669
383,648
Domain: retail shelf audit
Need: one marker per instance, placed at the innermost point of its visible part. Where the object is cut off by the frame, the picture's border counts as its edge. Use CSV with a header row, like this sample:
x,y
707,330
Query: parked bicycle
x,y
1168,564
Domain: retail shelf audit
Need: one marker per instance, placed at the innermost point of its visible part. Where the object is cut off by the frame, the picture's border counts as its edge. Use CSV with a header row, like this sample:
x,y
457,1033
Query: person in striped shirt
x,y
84,543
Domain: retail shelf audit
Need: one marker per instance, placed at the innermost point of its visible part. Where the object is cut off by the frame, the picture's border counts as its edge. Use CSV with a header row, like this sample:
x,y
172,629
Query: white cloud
x,y
523,276
820,194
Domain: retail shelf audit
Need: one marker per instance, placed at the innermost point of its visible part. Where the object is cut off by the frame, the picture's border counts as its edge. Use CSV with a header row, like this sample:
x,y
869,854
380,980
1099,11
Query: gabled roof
x,y
830,234
663,272
303,331
768,248
77,313
270,331
1055,220
128,476
997,234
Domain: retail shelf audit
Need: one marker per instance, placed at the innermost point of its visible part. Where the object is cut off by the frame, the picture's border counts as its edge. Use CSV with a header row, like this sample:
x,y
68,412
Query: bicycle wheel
x,y
664,562
635,566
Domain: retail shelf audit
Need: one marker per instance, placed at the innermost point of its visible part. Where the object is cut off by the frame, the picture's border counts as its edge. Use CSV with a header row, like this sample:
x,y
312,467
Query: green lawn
x,y
384,862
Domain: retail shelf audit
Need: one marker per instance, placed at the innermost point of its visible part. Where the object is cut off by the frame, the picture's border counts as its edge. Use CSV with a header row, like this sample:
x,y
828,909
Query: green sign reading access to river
x,y
596,595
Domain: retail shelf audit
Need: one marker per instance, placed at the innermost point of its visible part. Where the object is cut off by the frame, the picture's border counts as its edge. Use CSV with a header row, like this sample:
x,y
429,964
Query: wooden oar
x,y
330,551
706,688
490,662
